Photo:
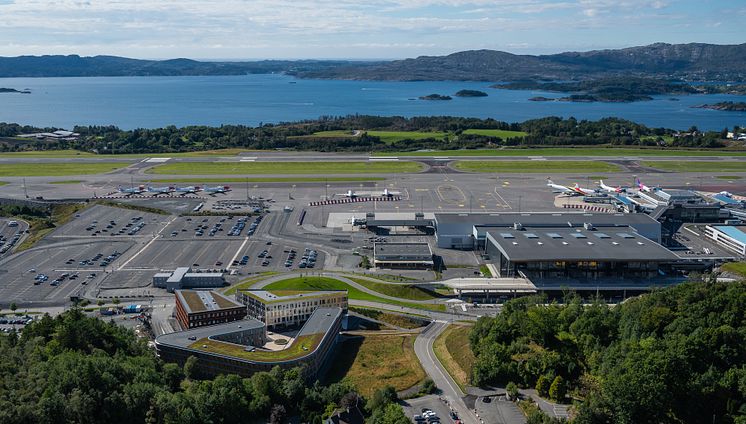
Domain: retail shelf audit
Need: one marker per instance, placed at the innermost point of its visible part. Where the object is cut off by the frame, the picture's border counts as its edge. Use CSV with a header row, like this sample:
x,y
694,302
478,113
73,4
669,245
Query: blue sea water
x,y
150,102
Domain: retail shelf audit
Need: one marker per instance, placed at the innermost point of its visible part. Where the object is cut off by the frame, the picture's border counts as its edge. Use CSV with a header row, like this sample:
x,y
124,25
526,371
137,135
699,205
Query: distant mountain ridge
x,y
696,61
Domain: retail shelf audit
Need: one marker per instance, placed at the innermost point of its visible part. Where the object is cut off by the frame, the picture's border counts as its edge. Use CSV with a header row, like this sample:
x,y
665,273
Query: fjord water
x,y
150,102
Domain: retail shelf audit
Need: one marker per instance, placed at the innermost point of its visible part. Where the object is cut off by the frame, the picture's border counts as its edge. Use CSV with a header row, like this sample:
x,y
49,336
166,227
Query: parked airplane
x,y
387,193
132,190
161,190
641,186
187,190
217,189
351,194
575,190
610,189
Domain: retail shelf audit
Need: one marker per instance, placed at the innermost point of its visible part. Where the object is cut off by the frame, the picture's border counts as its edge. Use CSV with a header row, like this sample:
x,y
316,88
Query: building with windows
x,y
239,347
199,308
730,237
402,255
184,278
279,309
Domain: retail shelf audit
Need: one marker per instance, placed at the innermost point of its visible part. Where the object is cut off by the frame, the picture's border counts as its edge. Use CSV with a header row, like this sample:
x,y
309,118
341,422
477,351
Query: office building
x,y
199,308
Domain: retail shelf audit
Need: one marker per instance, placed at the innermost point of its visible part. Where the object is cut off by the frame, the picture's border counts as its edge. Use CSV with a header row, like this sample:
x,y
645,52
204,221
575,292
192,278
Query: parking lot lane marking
x,y
238,252
157,235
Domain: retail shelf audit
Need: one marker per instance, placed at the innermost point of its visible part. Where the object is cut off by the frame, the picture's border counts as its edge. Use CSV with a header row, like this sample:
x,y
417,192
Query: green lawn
x,y
535,166
696,166
728,177
55,169
77,153
266,179
279,168
245,284
2,183
300,347
497,133
403,291
735,267
569,151
326,283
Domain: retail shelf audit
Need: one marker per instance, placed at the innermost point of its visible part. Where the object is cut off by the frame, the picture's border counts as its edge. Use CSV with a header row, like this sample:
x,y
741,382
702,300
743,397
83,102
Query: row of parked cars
x,y
131,228
24,320
7,244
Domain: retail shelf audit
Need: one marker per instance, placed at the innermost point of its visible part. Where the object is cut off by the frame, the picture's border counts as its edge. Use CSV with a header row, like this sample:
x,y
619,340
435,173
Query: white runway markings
x,y
156,160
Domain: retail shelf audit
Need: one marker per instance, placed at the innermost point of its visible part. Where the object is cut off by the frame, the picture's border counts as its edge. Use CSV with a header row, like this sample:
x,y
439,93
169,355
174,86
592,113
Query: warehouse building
x,y
468,231
278,310
239,347
199,308
403,255
184,278
730,237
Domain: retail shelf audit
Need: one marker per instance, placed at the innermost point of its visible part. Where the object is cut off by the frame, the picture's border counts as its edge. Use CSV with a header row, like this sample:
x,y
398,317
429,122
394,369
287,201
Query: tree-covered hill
x,y
676,355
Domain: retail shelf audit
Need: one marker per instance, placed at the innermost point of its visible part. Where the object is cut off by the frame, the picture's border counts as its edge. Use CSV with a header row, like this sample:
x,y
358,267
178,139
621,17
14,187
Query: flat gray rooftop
x,y
181,338
178,275
543,218
403,251
320,321
269,296
570,244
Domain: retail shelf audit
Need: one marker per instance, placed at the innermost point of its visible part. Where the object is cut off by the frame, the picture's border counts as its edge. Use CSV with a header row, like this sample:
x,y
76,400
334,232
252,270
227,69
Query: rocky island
x,y
726,106
435,97
471,93
13,90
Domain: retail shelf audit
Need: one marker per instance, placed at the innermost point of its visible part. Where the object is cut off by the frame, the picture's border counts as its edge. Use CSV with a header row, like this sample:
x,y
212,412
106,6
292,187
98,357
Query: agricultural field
x,y
282,168
534,166
375,361
696,166
57,169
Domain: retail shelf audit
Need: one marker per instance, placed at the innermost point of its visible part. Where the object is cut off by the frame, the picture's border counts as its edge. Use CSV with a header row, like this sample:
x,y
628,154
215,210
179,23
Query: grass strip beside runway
x,y
281,168
696,166
267,180
568,151
535,166
57,169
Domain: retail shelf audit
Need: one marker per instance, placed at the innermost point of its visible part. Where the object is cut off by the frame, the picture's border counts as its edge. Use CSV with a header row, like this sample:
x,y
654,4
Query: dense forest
x,y
550,131
76,369
677,355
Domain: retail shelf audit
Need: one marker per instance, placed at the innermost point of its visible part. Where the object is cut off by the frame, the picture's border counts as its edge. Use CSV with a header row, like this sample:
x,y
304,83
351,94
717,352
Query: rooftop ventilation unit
x,y
517,226
588,226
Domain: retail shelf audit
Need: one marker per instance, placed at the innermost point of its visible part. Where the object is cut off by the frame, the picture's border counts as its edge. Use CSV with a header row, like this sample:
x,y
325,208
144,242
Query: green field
x,y
535,166
568,151
728,177
77,153
403,291
373,362
279,168
56,169
267,180
2,183
735,267
696,166
47,154
497,133
325,283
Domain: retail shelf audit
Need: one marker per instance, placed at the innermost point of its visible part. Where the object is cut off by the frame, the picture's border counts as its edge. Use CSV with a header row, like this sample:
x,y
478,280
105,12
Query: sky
x,y
347,29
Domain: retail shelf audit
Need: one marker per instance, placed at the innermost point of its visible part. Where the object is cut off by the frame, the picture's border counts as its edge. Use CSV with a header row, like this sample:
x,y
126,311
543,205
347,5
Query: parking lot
x,y
11,235
206,227
416,408
18,276
105,221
